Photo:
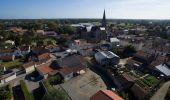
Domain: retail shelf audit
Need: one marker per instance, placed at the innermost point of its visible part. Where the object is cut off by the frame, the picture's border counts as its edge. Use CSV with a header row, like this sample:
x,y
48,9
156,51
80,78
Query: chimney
x,y
13,57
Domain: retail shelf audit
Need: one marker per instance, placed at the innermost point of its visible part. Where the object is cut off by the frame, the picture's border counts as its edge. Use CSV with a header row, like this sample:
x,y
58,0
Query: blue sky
x,y
128,9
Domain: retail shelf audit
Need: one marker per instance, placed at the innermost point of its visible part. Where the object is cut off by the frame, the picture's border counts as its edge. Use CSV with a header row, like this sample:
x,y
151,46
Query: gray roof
x,y
163,69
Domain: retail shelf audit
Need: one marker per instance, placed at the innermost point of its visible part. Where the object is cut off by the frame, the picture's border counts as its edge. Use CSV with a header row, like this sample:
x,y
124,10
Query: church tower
x,y
104,23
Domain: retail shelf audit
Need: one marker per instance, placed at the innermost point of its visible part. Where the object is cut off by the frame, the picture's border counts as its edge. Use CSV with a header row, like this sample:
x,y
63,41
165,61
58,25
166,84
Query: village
x,y
89,62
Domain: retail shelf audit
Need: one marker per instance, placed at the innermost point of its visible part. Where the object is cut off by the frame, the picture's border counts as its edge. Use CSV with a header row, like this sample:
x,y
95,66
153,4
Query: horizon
x,y
76,9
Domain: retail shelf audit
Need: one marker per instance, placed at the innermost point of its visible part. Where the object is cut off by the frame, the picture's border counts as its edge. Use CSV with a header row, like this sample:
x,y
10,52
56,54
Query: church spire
x,y
104,23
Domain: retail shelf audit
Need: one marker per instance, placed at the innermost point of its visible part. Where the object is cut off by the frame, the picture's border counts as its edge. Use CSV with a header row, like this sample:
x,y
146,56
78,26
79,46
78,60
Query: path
x,y
161,93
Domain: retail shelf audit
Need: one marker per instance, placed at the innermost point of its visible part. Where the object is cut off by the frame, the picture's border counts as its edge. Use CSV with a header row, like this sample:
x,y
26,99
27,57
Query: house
x,y
44,58
46,69
138,92
29,67
141,60
66,73
107,58
72,66
123,82
7,75
115,41
106,95
81,46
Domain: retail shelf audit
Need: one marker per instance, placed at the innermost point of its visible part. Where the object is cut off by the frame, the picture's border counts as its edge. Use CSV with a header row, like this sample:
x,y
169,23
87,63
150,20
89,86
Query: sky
x,y
115,9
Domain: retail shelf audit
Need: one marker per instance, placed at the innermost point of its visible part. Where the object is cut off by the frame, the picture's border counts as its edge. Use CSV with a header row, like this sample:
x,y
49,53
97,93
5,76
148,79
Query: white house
x,y
107,58
29,67
115,41
7,76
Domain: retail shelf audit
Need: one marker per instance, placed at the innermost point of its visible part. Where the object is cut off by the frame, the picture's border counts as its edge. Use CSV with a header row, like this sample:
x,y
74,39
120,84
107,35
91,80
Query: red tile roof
x,y
106,95
45,56
45,68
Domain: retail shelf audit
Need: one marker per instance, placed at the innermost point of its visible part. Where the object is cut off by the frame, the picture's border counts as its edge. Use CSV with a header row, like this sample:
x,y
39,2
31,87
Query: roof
x,y
143,54
106,95
107,54
44,56
163,69
65,70
138,91
159,60
72,61
29,64
45,68
6,58
114,40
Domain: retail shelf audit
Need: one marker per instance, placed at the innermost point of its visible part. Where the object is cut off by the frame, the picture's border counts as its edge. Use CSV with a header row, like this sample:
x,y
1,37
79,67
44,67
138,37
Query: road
x,y
161,93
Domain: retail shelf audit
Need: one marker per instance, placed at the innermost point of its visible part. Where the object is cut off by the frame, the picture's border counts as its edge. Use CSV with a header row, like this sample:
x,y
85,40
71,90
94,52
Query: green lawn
x,y
10,63
152,80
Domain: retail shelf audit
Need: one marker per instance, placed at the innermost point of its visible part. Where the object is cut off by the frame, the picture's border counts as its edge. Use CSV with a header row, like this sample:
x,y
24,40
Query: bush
x,y
25,91
5,93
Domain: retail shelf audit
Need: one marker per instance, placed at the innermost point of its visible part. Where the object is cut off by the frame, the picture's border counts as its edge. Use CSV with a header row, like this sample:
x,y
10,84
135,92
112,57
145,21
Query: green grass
x,y
11,63
152,80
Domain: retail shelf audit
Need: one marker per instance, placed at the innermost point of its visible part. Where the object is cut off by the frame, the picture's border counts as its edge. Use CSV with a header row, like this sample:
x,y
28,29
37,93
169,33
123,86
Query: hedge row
x,y
25,91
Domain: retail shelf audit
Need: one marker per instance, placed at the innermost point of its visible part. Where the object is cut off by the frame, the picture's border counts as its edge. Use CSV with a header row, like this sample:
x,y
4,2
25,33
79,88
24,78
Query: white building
x,y
115,41
8,76
29,67
107,58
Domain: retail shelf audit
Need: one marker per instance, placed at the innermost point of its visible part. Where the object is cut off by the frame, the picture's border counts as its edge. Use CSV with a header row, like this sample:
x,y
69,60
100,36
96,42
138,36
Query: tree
x,y
128,50
67,29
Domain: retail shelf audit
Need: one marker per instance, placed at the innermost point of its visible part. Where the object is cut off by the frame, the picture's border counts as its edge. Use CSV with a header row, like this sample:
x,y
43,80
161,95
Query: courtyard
x,y
84,86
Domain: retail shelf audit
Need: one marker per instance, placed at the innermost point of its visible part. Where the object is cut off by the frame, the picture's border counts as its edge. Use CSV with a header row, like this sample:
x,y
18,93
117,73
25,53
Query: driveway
x,y
84,86
161,93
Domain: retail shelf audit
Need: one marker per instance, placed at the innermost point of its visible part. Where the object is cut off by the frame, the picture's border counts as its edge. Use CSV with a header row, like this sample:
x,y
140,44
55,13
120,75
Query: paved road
x,y
161,93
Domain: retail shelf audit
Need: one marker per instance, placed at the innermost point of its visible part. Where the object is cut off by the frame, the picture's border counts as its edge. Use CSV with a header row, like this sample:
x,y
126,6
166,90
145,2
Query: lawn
x,y
152,80
11,63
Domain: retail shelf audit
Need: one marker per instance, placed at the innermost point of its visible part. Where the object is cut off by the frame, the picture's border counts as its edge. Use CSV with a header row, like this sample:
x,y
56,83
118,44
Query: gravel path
x,y
161,93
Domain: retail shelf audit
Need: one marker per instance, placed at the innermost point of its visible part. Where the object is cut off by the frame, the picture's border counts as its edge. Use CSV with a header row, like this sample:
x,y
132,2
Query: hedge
x,y
27,95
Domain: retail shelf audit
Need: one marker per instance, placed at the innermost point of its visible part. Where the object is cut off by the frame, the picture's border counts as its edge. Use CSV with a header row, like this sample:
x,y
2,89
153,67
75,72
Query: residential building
x,y
7,75
123,82
115,41
29,67
106,95
107,58
82,47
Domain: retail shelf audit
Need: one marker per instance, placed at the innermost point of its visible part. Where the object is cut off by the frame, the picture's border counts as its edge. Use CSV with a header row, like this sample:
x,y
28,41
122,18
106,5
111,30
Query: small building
x,y
45,69
29,67
107,58
81,46
115,41
66,73
44,58
106,95
141,60
7,76
123,82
